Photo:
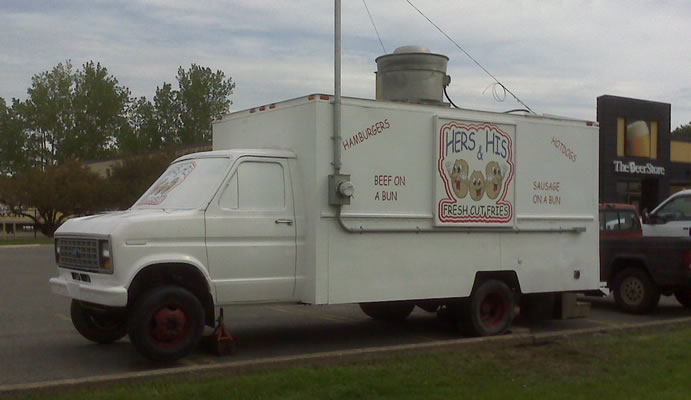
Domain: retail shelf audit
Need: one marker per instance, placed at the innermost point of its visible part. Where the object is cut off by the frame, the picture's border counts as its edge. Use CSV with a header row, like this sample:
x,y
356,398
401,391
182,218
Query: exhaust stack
x,y
412,74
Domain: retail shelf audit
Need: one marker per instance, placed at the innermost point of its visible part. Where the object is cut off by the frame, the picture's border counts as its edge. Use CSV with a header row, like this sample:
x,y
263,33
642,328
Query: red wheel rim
x,y
493,310
169,325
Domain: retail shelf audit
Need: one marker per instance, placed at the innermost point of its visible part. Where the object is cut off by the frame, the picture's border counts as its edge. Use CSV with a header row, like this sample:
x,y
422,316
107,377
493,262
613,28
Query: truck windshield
x,y
187,184
677,209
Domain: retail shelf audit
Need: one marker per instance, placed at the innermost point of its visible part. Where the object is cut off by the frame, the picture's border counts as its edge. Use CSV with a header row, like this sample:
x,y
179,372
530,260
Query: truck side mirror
x,y
646,216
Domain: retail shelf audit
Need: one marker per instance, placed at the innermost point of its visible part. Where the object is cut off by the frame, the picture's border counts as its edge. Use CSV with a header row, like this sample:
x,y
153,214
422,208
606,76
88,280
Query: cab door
x,y
250,233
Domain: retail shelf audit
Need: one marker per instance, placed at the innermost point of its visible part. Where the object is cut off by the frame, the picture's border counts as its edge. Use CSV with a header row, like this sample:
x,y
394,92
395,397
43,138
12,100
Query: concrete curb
x,y
20,246
246,366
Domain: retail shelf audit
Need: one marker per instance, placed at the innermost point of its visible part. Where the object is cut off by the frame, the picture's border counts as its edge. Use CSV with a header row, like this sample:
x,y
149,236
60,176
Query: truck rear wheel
x,y
387,310
100,327
634,292
166,323
489,311
684,297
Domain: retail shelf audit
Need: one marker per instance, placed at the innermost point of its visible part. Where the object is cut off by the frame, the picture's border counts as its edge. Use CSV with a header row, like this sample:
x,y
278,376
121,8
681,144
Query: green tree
x,y
74,115
154,126
179,117
48,113
12,138
682,132
71,116
143,133
203,95
56,192
99,106
167,113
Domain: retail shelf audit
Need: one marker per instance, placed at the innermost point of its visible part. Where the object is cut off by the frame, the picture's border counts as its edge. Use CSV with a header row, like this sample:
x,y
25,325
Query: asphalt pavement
x,y
38,342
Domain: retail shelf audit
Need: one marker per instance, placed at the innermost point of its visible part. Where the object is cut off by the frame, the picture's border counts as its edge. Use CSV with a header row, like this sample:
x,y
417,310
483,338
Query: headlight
x,y
104,253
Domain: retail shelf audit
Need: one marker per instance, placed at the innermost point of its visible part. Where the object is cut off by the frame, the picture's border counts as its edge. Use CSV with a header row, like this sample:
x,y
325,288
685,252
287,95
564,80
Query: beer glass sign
x,y
638,139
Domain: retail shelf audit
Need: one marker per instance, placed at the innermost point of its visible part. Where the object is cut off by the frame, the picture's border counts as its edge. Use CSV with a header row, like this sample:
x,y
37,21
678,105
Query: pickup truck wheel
x,y
489,311
99,327
634,292
387,310
684,297
166,323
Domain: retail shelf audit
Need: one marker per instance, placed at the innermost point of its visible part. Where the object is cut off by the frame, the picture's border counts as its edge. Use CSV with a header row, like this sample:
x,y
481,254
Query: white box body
x,y
536,215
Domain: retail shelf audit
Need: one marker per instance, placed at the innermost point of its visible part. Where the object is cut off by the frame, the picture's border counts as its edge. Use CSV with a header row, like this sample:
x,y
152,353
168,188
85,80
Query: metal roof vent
x,y
412,74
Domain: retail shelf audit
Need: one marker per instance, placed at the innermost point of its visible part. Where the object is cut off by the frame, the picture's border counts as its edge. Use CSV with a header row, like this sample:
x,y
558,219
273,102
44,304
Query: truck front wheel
x,y
684,297
98,326
489,311
166,323
634,292
388,310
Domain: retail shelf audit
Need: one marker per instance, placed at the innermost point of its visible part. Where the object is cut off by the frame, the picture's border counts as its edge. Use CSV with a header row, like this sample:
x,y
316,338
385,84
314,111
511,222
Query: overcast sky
x,y
557,56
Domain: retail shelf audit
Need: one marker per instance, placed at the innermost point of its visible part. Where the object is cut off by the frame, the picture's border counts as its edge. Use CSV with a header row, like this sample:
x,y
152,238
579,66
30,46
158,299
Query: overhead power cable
x,y
471,57
374,26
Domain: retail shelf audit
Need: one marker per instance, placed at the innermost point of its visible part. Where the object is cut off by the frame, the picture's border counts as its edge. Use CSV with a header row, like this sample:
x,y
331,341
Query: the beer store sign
x,y
631,167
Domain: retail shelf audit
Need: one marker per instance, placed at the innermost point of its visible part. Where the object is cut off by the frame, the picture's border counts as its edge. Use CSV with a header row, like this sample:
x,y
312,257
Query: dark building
x,y
639,163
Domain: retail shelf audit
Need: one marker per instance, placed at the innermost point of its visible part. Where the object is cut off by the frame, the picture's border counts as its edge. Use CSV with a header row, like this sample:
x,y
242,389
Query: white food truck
x,y
453,210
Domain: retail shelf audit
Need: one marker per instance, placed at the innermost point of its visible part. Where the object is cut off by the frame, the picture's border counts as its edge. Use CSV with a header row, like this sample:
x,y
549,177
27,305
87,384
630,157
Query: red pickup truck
x,y
639,269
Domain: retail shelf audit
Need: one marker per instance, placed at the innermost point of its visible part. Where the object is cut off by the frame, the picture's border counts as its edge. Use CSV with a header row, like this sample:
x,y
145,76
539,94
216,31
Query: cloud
x,y
557,56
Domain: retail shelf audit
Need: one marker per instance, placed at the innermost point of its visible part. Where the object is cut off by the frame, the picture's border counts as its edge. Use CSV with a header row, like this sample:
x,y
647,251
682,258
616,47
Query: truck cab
x,y
619,220
671,218
639,269
217,227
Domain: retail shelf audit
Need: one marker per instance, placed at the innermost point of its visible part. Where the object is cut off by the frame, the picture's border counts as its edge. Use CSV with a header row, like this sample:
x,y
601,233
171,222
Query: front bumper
x,y
113,296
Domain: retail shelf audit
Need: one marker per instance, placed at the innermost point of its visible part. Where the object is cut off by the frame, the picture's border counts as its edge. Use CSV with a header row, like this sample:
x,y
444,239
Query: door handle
x,y
284,221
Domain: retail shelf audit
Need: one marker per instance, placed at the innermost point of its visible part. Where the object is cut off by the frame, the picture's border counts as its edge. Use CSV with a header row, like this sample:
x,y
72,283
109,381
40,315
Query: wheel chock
x,y
221,342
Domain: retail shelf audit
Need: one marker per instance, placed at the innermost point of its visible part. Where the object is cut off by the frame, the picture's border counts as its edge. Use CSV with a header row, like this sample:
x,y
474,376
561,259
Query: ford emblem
x,y
75,252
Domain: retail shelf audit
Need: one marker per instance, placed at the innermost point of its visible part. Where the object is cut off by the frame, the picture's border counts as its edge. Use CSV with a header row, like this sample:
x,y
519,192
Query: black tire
x,y
489,311
684,297
388,310
166,323
98,326
634,292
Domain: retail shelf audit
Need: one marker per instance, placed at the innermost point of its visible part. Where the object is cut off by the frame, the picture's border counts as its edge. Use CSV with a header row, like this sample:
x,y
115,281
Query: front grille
x,y
79,253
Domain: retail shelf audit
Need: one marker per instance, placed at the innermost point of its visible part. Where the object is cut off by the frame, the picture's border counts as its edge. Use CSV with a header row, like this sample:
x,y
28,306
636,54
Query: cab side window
x,y
628,221
255,186
619,221
678,209
609,221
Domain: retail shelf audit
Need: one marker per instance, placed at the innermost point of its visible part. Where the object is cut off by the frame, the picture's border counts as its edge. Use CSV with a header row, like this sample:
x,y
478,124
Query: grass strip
x,y
628,366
